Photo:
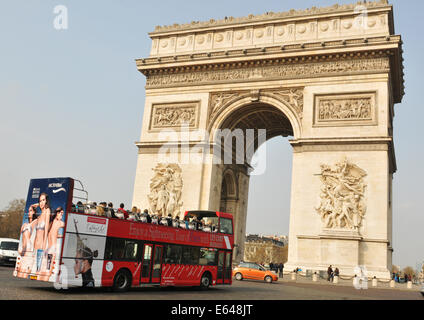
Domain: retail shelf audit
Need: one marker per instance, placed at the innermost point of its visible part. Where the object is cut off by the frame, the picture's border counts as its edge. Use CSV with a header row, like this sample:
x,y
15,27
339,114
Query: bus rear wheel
x,y
205,281
122,281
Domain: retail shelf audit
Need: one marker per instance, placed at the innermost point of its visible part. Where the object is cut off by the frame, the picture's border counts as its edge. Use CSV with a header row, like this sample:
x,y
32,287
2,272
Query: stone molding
x,y
342,237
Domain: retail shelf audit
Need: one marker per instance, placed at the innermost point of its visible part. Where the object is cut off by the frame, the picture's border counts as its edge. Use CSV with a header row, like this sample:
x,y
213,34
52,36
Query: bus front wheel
x,y
122,281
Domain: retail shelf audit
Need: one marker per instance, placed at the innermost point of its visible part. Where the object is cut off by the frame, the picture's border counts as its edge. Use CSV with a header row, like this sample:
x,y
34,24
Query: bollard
x,y
336,279
392,283
374,281
293,276
409,285
315,277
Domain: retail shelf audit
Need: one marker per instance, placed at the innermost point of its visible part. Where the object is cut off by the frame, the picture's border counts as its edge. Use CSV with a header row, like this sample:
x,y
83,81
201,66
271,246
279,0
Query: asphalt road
x,y
12,288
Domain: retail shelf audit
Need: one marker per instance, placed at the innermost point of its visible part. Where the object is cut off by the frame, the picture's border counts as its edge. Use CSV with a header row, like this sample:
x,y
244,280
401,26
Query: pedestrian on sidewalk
x,y
281,268
336,272
329,273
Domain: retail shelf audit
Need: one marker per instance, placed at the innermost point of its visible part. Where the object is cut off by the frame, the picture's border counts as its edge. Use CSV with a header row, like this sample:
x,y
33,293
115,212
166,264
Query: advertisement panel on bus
x,y
84,249
42,228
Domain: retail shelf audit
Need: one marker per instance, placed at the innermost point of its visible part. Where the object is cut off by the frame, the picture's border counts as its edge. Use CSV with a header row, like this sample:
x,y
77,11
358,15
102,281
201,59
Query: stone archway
x,y
327,78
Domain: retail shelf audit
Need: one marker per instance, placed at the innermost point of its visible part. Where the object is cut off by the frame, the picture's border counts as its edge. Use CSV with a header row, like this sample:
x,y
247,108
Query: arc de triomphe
x,y
327,78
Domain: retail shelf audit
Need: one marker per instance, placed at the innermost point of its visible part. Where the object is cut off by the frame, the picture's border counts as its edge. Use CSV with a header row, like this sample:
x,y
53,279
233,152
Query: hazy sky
x,y
72,103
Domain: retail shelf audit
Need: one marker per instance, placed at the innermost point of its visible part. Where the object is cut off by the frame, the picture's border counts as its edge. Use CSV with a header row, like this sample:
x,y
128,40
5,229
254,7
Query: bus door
x,y
228,270
221,262
157,263
224,267
146,263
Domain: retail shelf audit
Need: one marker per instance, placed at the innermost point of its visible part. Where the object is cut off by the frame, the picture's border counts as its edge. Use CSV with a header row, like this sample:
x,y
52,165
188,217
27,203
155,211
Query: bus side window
x,y
131,250
190,255
207,257
173,254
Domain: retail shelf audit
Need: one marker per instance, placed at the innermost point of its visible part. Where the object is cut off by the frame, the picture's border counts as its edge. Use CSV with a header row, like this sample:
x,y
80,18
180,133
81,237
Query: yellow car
x,y
254,271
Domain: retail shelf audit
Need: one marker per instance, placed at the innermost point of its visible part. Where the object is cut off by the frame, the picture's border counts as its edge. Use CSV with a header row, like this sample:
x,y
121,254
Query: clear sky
x,y
72,101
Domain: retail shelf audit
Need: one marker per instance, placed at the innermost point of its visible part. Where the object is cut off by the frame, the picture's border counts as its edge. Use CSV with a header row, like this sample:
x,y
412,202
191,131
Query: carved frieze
x,y
174,115
345,109
266,72
342,199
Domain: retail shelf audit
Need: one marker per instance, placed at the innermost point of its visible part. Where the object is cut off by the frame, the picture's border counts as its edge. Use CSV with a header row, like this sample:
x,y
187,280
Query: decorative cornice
x,y
269,16
187,69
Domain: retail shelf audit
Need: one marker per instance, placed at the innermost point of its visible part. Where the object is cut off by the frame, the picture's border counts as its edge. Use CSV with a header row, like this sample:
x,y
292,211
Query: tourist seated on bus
x,y
169,220
145,216
111,210
90,208
80,207
132,214
101,211
163,221
208,226
199,223
122,212
176,222
155,219
192,225
184,224
73,208
106,209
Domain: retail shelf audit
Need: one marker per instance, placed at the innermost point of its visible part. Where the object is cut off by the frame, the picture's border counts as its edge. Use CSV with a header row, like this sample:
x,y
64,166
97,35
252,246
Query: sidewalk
x,y
348,283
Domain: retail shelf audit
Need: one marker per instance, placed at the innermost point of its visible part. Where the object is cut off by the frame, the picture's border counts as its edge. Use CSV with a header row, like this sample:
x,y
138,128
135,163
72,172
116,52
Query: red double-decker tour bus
x,y
69,246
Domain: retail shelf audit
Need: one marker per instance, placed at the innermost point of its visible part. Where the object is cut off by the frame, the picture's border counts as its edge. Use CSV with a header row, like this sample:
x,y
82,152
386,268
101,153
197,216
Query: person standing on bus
x,y
42,228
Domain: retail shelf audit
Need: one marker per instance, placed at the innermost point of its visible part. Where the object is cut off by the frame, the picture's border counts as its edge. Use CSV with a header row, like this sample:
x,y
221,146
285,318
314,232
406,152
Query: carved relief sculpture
x,y
345,109
174,115
354,109
165,190
342,203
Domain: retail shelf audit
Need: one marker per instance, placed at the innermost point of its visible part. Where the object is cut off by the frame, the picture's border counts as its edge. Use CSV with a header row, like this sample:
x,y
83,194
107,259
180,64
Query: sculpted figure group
x,y
342,203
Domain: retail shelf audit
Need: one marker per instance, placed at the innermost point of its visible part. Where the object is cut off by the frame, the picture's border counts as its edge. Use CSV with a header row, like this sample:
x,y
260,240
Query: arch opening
x,y
265,123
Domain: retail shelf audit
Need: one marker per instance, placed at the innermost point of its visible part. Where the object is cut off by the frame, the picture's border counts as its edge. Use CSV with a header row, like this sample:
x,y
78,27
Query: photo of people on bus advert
x,y
42,229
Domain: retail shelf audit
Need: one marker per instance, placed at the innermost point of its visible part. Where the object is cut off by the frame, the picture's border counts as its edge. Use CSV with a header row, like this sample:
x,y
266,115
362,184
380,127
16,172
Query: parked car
x,y
254,271
8,250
